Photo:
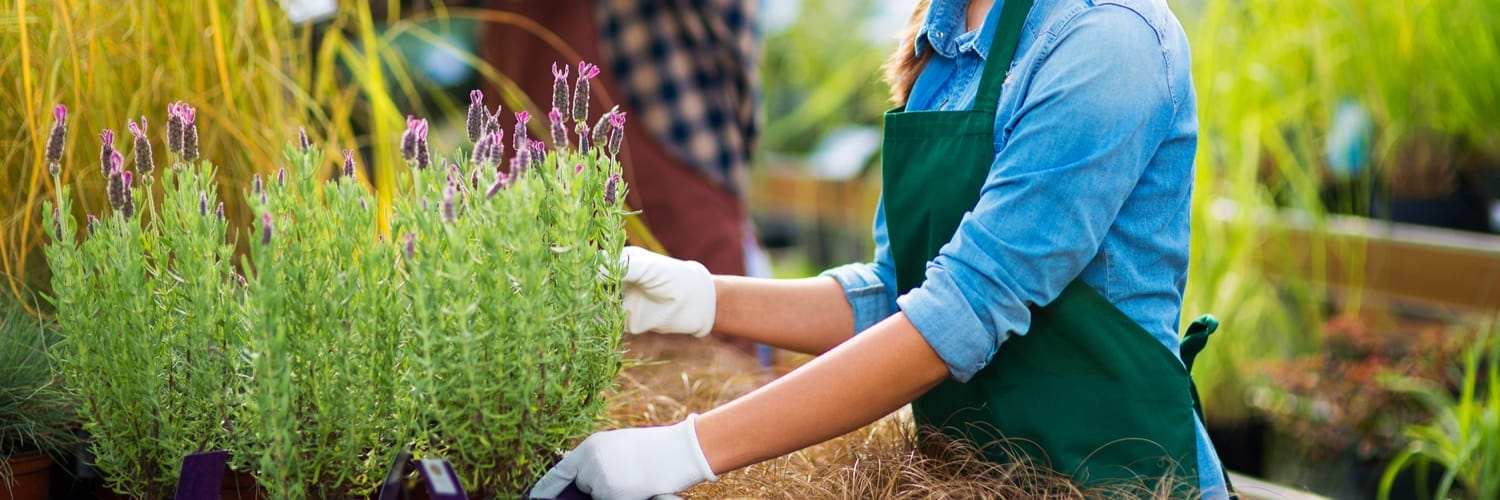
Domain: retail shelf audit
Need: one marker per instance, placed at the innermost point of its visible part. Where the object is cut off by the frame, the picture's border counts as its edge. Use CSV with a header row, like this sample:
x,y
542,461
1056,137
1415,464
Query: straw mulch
x,y
684,375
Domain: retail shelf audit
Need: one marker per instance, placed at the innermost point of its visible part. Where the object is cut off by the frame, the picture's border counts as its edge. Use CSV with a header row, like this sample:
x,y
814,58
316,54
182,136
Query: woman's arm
x,y
809,315
854,384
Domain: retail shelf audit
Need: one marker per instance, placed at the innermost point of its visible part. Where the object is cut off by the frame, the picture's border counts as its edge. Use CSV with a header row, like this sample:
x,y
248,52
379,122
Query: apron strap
x,y
1002,50
1192,343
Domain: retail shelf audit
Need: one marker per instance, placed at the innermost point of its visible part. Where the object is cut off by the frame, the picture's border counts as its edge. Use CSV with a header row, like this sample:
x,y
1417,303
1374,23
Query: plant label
x,y
202,475
442,484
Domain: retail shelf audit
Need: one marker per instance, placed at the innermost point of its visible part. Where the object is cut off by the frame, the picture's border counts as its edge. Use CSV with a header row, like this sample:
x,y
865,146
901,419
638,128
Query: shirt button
x,y
938,34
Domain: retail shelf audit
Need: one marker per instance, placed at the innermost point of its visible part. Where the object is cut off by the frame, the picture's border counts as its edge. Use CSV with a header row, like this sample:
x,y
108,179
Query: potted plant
x,y
36,415
1462,438
1335,424
481,327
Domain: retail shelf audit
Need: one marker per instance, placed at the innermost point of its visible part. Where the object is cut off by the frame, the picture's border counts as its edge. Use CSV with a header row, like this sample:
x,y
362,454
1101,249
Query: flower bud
x,y
519,137
559,87
349,167
447,207
189,132
303,141
141,146
611,189
55,139
409,139
474,120
106,148
601,129
538,153
174,128
584,144
616,133
501,180
265,229
559,130
586,72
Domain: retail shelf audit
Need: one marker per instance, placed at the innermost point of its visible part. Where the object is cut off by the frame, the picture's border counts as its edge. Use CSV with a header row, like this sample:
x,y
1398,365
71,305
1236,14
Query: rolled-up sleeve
x,y
1096,109
870,286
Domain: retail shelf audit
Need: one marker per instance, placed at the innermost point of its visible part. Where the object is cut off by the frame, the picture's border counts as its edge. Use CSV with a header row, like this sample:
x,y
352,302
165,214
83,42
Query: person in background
x,y
686,74
1031,254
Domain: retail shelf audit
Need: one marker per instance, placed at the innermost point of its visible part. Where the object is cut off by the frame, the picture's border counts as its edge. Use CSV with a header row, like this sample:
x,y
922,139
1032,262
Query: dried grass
x,y
881,460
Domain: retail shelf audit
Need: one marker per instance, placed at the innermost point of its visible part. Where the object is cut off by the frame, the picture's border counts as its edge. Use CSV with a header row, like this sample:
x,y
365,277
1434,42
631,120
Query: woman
x,y
1031,251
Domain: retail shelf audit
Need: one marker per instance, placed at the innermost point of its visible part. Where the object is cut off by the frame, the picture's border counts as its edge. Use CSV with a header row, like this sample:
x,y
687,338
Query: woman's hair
x,y
902,67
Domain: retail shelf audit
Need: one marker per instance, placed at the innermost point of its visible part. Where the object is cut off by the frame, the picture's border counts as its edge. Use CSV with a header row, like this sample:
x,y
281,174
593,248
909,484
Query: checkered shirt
x,y
690,70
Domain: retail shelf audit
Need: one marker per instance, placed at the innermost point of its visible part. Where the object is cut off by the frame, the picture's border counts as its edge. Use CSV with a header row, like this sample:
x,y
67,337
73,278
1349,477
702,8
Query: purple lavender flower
x,y
174,128
616,132
447,207
519,137
601,128
411,245
256,186
202,204
349,163
409,139
501,180
219,211
54,150
189,132
586,72
115,189
93,223
281,177
129,208
491,122
538,153
584,144
559,86
578,169
106,148
481,153
141,146
57,223
474,120
559,130
303,141
520,162
611,189
474,178
265,229
424,156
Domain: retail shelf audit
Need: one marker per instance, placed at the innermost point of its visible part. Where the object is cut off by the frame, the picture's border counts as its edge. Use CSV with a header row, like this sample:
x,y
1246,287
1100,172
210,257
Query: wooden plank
x,y
1251,488
1435,266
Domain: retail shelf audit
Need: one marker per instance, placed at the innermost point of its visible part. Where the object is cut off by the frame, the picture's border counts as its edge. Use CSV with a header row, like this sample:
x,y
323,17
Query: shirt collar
x,y
946,21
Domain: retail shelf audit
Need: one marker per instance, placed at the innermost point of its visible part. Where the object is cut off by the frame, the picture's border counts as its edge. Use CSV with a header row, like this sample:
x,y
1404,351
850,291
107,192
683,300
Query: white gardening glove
x,y
631,464
666,295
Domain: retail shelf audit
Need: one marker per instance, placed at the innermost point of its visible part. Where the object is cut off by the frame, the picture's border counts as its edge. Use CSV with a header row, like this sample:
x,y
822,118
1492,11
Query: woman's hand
x,y
631,463
666,295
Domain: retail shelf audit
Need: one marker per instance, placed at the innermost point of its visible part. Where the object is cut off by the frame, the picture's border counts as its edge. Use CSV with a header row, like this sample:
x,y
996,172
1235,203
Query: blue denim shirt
x,y
1092,178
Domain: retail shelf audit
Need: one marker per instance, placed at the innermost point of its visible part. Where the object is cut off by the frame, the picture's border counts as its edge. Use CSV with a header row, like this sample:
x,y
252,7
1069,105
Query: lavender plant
x,y
324,330
513,294
149,334
483,330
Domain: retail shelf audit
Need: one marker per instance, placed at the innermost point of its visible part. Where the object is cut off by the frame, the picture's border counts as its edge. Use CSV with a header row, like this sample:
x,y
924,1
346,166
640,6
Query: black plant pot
x,y
1465,208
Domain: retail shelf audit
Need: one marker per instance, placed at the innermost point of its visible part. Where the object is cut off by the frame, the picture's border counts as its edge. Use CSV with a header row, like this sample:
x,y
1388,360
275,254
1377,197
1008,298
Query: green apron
x,y
1086,392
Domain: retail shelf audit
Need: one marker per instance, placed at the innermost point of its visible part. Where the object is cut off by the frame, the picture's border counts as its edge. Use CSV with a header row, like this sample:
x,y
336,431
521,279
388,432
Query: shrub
x,y
482,329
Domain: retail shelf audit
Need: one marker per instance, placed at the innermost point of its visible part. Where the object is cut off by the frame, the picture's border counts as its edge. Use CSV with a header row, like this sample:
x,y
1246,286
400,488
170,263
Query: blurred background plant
x,y
36,414
1462,437
253,74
